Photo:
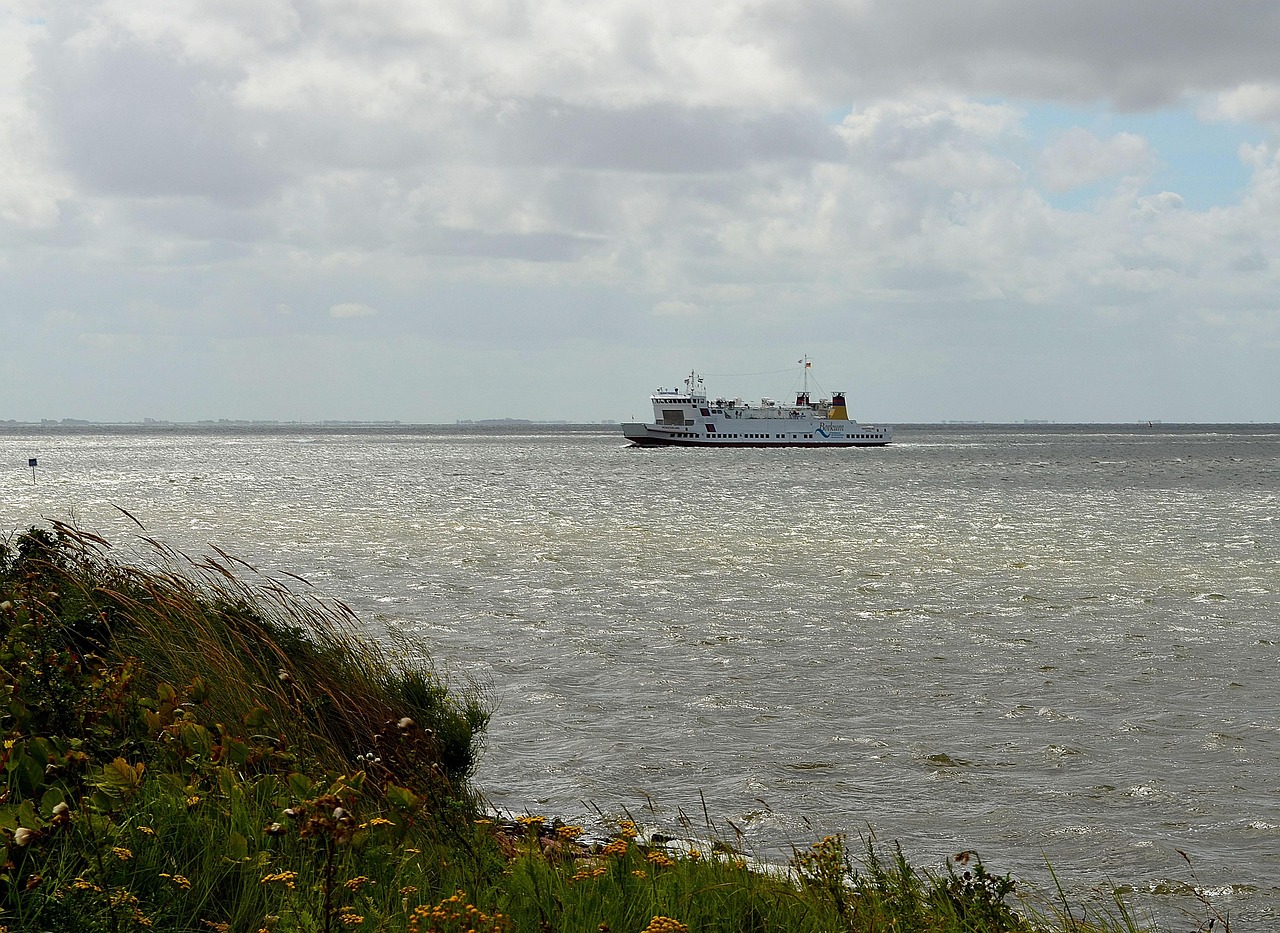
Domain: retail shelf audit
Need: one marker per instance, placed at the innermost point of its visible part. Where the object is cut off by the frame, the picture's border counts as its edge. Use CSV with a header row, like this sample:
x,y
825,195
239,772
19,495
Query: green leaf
x,y
237,847
402,797
257,717
227,782
27,769
42,749
196,738
118,779
234,751
300,785
52,797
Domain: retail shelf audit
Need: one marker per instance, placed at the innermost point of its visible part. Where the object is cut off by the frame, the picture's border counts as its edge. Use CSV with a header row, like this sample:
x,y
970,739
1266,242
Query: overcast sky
x,y
427,211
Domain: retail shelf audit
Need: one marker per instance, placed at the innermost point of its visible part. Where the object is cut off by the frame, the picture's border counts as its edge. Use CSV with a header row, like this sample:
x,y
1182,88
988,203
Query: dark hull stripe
x,y
687,442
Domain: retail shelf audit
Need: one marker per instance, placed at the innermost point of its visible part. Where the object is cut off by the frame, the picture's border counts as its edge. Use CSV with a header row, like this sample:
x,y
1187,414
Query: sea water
x,y
1054,645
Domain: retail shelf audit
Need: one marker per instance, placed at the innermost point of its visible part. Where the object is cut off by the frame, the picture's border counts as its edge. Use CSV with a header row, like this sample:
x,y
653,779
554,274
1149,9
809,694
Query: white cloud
x,y
1159,203
674,307
351,309
30,191
1078,159
1247,102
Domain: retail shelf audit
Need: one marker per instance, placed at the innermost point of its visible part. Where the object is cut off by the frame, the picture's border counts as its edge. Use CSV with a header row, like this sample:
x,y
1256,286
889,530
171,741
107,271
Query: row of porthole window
x,y
755,436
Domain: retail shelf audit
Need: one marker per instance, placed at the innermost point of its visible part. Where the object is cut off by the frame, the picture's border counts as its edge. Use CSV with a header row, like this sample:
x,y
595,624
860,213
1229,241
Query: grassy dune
x,y
195,746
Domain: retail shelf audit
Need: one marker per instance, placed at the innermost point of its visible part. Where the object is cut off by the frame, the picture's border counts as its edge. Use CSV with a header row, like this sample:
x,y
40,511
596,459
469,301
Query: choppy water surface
x,y
1042,643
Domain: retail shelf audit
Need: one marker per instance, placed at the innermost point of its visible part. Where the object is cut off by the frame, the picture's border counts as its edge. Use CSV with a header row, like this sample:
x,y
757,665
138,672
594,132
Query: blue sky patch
x,y
1198,160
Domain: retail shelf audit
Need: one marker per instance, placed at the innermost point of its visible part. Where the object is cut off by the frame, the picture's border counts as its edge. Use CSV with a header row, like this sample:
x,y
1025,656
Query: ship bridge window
x,y
672,416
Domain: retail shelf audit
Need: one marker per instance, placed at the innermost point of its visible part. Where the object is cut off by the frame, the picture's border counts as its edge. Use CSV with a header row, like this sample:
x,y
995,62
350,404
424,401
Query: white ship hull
x,y
821,434
688,418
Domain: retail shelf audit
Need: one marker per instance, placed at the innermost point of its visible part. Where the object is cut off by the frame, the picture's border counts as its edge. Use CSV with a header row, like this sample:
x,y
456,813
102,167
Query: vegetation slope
x,y
195,746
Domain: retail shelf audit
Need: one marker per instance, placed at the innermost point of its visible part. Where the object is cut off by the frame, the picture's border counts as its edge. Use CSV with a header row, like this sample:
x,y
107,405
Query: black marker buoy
x,y
32,463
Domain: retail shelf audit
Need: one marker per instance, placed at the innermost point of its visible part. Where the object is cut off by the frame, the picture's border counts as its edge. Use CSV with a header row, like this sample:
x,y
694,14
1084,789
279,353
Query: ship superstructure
x,y
688,417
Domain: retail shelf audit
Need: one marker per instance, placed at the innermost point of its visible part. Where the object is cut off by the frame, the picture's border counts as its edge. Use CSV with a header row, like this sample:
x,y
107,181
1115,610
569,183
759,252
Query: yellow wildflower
x,y
122,853
616,847
455,913
589,872
659,859
287,878
665,925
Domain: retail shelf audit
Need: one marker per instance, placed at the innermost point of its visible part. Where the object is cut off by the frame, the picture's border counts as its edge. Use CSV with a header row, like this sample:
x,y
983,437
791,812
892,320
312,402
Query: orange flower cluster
x,y
287,878
659,859
666,925
587,873
347,916
455,913
617,847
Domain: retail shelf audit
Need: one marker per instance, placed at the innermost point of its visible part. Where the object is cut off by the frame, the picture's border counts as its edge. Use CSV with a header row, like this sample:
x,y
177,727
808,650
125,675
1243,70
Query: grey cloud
x,y
198,219
1137,54
1252,261
534,247
660,137
130,121
922,278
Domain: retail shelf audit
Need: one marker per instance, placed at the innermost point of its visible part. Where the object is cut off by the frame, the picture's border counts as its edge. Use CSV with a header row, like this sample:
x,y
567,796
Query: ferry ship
x,y
688,418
